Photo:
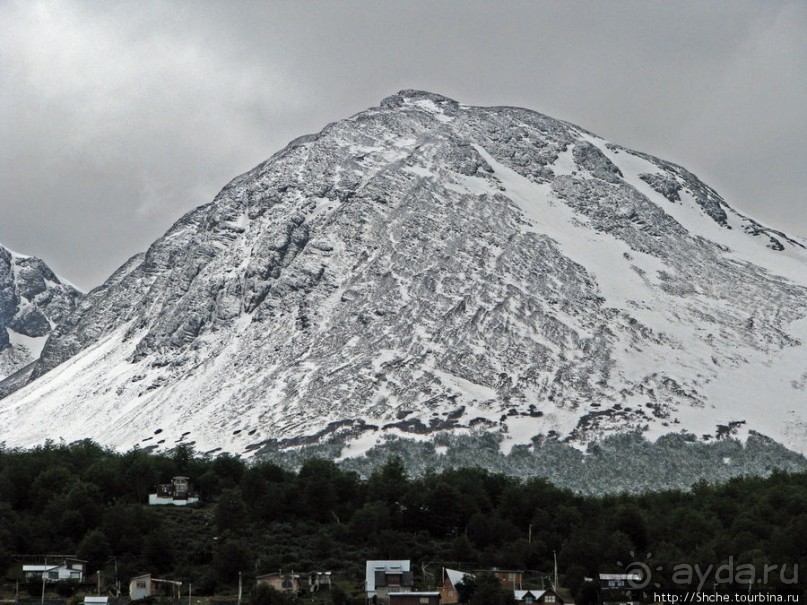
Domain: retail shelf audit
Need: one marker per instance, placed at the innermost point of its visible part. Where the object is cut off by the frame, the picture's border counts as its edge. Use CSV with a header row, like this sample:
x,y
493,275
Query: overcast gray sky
x,y
118,117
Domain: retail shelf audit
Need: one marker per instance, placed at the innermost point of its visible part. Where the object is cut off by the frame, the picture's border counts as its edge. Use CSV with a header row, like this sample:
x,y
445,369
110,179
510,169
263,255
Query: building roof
x,y
383,566
280,574
88,600
522,594
455,577
58,562
621,576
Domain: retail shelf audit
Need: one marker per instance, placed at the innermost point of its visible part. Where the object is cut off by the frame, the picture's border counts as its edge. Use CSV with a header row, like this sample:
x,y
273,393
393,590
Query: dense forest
x,y
258,517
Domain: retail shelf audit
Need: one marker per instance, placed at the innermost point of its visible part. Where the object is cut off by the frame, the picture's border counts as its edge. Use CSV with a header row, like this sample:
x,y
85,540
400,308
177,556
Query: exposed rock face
x,y
32,300
428,266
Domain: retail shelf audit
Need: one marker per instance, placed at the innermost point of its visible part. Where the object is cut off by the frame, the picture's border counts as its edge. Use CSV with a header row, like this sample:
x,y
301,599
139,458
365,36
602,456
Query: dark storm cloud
x,y
119,117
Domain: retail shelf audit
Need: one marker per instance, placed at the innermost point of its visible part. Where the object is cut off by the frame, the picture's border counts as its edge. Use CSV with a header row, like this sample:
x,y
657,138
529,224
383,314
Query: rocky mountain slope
x,y
426,266
32,301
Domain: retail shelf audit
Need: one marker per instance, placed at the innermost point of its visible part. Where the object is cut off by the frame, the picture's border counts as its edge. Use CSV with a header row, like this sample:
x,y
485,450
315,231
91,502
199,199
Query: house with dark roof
x,y
537,597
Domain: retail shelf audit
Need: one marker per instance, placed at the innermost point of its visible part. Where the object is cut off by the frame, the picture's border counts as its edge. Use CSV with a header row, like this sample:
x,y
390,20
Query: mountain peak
x,y
504,272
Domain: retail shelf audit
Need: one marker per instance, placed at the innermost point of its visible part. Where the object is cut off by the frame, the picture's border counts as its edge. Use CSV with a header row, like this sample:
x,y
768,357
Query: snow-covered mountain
x,y
426,266
32,301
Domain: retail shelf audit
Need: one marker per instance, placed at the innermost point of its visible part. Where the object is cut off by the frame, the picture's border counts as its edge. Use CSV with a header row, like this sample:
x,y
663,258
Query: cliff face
x,y
32,300
426,266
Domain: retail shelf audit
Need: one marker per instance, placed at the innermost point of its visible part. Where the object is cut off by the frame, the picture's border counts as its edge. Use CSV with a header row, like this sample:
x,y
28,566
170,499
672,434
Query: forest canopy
x,y
258,517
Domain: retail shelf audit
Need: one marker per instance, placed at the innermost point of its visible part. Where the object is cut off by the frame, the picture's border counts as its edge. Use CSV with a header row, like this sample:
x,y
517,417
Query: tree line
x,y
258,517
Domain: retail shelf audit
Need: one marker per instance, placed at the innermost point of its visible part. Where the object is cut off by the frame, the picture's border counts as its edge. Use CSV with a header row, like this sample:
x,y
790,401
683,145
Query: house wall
x,y
510,579
448,594
156,500
414,599
382,592
276,582
139,588
319,581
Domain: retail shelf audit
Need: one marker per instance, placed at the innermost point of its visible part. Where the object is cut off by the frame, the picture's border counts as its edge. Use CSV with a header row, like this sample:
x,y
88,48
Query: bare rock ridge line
x,y
426,267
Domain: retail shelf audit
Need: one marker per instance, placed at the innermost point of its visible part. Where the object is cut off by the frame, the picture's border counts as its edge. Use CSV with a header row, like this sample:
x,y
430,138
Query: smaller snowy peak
x,y
440,107
418,97
33,299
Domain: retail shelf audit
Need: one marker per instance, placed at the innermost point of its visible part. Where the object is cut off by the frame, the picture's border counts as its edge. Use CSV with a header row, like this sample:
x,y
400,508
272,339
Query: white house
x,y
177,493
384,577
141,587
66,569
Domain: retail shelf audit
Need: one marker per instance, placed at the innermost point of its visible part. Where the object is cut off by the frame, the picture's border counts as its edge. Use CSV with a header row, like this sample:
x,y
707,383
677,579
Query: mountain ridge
x,y
33,299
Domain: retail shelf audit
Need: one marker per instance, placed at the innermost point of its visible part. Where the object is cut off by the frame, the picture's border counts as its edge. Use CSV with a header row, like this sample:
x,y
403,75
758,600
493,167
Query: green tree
x,y
484,589
466,588
232,557
629,520
158,549
229,468
489,591
231,512
339,596
389,482
94,548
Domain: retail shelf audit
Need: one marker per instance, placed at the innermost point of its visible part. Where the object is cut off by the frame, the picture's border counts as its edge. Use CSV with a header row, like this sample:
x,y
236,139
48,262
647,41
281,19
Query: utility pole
x,y
555,555
44,576
190,589
239,588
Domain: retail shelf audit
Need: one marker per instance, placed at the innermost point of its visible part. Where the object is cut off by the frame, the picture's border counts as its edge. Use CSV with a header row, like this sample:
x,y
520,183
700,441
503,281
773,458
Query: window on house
x,y
549,599
141,584
424,600
53,575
